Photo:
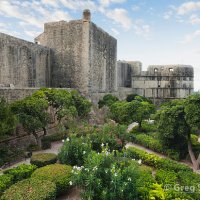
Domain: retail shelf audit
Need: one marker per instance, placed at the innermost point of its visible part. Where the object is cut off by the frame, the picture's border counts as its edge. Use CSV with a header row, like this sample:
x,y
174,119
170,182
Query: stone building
x,y
159,82
84,55
78,54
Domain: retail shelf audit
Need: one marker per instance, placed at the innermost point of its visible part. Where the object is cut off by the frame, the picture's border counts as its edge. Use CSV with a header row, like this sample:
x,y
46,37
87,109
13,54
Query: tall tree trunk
x,y
140,126
44,130
195,162
37,138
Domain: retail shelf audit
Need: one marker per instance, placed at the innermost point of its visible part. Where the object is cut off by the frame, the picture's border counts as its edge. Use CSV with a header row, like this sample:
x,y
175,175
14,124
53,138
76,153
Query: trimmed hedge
x,y
155,161
42,159
31,189
46,141
21,172
57,173
6,180
154,144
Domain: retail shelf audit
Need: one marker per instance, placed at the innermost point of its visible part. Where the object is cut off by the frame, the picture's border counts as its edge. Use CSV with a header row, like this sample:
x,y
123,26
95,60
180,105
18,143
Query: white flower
x,y
63,140
115,174
140,162
133,159
67,139
70,182
102,144
129,179
84,152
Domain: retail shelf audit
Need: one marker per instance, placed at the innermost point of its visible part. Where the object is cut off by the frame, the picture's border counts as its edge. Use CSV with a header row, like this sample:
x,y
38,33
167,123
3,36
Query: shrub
x,y
104,177
6,180
21,172
42,159
166,177
33,147
46,141
154,144
10,154
31,189
155,161
107,100
57,173
74,150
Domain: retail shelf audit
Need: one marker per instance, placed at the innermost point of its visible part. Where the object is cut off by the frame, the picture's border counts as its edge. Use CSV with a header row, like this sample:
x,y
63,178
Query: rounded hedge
x,y
57,173
42,159
32,189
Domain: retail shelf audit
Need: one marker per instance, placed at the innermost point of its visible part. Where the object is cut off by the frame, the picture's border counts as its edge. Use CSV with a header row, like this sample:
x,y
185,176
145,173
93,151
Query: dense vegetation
x,y
95,158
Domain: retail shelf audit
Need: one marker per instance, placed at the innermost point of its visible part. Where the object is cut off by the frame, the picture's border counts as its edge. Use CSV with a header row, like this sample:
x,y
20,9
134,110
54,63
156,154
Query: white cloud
x,y
190,37
168,14
79,4
32,13
194,19
106,3
115,32
135,8
120,16
141,29
188,7
53,3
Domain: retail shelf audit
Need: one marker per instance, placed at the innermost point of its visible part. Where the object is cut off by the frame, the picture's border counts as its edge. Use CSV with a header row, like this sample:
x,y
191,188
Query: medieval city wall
x,y
66,41
23,64
103,55
164,82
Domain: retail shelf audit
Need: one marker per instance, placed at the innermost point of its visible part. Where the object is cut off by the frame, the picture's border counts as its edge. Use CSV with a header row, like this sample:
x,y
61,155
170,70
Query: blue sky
x,y
151,31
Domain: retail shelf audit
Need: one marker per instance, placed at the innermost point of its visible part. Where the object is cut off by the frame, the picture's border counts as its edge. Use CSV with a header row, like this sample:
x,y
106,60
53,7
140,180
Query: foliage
x,y
132,97
32,189
74,150
82,105
7,119
32,114
155,144
157,193
120,112
61,100
21,172
134,111
107,100
175,122
6,180
173,128
166,177
56,173
10,153
46,141
42,159
104,178
109,134
155,161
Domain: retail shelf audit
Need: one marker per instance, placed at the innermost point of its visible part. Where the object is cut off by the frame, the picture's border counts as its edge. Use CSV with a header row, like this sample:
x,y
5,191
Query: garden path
x,y
55,147
131,144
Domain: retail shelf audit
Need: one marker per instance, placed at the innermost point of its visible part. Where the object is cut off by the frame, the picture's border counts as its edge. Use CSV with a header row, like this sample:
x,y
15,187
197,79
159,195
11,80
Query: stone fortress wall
x,y
78,54
23,64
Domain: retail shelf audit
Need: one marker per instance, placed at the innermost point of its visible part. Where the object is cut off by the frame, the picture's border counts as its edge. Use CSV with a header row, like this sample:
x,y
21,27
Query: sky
x,y
150,31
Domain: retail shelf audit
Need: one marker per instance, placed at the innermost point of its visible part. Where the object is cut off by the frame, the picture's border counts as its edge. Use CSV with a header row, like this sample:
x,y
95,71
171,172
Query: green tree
x,y
8,120
59,100
172,126
32,114
140,110
107,100
192,113
175,121
82,105
134,111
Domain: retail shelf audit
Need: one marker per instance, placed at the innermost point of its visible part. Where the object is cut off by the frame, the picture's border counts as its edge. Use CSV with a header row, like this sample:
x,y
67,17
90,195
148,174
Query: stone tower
x,y
84,55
